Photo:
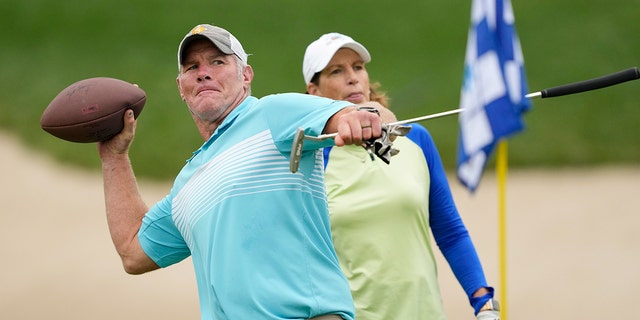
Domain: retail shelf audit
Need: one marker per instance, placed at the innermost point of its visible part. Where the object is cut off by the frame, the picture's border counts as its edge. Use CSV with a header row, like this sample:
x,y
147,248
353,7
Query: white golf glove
x,y
490,311
489,315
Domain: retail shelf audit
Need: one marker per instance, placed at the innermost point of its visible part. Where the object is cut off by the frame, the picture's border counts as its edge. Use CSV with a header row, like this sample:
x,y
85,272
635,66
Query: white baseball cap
x,y
221,38
320,52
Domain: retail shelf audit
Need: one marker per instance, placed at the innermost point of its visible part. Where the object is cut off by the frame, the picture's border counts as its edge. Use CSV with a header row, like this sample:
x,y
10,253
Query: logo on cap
x,y
336,37
198,29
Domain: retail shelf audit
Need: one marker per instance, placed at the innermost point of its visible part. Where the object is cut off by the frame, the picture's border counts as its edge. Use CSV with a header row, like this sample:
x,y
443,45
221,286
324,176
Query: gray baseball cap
x,y
221,38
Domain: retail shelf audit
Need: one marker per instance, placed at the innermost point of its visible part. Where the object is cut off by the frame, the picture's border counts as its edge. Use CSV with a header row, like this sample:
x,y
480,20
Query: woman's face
x,y
344,78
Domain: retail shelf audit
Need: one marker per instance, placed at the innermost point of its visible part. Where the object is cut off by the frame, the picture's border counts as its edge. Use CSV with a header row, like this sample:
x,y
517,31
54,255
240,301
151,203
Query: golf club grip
x,y
592,84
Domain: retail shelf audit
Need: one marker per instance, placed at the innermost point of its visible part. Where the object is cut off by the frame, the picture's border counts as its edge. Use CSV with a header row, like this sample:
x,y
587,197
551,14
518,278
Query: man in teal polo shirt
x,y
258,234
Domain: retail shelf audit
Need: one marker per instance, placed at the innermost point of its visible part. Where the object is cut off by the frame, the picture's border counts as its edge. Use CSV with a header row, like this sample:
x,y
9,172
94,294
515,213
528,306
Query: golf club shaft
x,y
427,117
587,85
576,87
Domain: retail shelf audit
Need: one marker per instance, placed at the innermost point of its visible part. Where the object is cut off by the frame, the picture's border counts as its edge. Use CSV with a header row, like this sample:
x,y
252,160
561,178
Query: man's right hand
x,y
120,143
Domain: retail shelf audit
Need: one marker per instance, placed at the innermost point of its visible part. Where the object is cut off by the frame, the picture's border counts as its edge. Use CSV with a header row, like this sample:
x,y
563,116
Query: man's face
x,y
211,82
344,78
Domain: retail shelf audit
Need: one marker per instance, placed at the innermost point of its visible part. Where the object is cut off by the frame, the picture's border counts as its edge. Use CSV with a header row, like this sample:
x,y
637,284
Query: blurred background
x,y
572,226
418,54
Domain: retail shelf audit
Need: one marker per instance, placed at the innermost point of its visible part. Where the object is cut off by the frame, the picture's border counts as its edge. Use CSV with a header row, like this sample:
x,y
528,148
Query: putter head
x,y
296,150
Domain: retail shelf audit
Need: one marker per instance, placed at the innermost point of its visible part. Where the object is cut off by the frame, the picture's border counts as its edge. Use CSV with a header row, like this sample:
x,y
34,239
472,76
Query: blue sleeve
x,y
447,226
159,237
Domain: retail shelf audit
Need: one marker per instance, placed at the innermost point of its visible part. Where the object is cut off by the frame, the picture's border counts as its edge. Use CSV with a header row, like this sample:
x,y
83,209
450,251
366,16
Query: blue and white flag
x,y
493,89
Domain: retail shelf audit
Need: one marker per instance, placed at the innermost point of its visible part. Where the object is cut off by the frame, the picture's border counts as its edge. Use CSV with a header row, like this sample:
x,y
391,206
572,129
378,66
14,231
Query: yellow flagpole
x,y
501,171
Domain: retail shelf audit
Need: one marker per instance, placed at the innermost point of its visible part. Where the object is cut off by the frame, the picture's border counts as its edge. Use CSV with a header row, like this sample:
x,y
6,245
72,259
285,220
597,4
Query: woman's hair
x,y
377,95
374,94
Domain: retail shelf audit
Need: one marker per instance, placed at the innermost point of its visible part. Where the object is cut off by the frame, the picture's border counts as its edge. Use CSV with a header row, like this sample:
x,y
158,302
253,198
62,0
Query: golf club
x,y
562,90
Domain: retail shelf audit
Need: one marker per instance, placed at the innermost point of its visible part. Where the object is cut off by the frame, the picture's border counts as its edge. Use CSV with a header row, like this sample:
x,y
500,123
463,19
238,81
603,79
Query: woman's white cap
x,y
320,52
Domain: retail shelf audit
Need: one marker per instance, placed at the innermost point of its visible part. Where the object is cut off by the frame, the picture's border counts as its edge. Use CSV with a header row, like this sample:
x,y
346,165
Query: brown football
x,y
92,110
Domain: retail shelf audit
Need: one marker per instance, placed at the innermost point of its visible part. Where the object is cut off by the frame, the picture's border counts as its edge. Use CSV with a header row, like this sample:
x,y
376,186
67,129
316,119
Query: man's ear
x,y
180,88
247,74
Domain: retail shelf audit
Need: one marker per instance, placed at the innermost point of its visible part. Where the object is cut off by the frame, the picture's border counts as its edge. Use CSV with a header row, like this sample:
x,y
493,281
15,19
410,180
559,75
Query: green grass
x,y
417,47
